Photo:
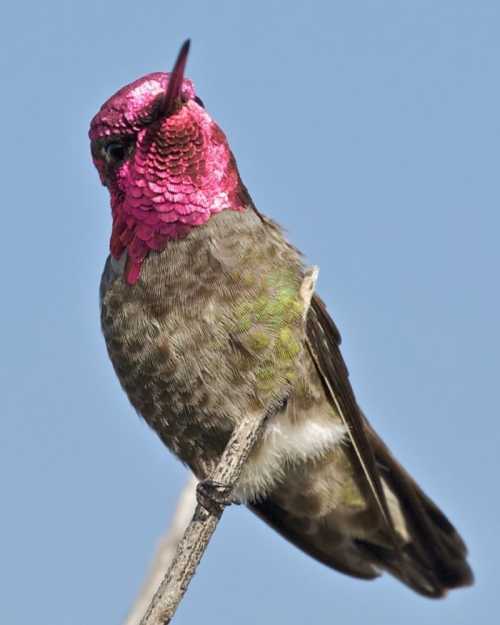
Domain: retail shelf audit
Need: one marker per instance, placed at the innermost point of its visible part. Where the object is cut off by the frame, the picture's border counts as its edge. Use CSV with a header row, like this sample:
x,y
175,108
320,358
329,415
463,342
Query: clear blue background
x,y
371,131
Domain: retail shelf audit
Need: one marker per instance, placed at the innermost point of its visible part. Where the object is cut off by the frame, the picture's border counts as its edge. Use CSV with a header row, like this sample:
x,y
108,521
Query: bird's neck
x,y
182,172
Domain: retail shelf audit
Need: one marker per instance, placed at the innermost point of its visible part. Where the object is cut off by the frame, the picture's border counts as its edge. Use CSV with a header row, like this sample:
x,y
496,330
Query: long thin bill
x,y
175,79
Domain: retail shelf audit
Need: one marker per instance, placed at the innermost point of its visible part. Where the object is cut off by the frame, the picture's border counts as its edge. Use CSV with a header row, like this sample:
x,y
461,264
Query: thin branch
x,y
203,524
166,551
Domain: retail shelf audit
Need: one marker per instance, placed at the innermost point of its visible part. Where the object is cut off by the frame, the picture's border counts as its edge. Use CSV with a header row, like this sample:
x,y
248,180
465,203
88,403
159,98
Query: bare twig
x,y
203,524
165,552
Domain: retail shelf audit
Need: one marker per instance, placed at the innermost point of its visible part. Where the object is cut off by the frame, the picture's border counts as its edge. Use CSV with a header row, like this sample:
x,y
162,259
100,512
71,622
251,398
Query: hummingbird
x,y
207,319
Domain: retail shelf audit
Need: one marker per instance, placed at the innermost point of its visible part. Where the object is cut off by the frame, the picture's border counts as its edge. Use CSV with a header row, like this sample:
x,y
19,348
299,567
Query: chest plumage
x,y
212,330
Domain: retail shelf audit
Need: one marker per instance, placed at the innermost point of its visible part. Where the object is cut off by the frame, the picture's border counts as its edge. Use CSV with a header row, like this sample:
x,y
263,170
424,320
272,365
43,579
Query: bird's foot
x,y
214,496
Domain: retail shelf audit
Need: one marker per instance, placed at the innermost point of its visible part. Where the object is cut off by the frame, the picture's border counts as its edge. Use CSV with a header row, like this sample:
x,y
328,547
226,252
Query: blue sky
x,y
370,130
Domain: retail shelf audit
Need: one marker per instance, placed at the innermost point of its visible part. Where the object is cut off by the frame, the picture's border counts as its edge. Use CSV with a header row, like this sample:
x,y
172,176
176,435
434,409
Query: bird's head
x,y
166,163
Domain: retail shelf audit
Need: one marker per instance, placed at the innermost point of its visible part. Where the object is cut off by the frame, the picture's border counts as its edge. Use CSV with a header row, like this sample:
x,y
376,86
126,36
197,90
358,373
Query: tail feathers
x,y
430,558
409,568
318,540
433,561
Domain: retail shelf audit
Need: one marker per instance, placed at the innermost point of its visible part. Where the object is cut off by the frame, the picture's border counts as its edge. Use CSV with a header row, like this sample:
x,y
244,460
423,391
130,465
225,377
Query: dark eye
x,y
115,152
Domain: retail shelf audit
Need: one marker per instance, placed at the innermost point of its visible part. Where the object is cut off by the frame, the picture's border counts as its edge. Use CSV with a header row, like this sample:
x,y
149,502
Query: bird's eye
x,y
116,152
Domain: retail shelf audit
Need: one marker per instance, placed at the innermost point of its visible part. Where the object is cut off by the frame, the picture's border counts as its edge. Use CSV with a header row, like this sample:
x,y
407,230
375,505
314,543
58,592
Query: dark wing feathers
x,y
323,341
435,544
433,561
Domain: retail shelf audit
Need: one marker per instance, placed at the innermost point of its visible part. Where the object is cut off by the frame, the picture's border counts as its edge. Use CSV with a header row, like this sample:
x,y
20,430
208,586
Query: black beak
x,y
175,79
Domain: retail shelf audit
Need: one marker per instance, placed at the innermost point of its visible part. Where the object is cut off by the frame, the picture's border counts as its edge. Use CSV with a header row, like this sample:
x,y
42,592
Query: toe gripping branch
x,y
214,496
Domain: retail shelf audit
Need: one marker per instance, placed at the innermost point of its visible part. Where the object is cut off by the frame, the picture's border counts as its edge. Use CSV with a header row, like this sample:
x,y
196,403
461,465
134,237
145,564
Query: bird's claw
x,y
214,496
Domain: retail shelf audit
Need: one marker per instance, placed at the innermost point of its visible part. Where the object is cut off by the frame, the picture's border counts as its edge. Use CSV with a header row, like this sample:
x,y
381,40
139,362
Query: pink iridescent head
x,y
166,163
